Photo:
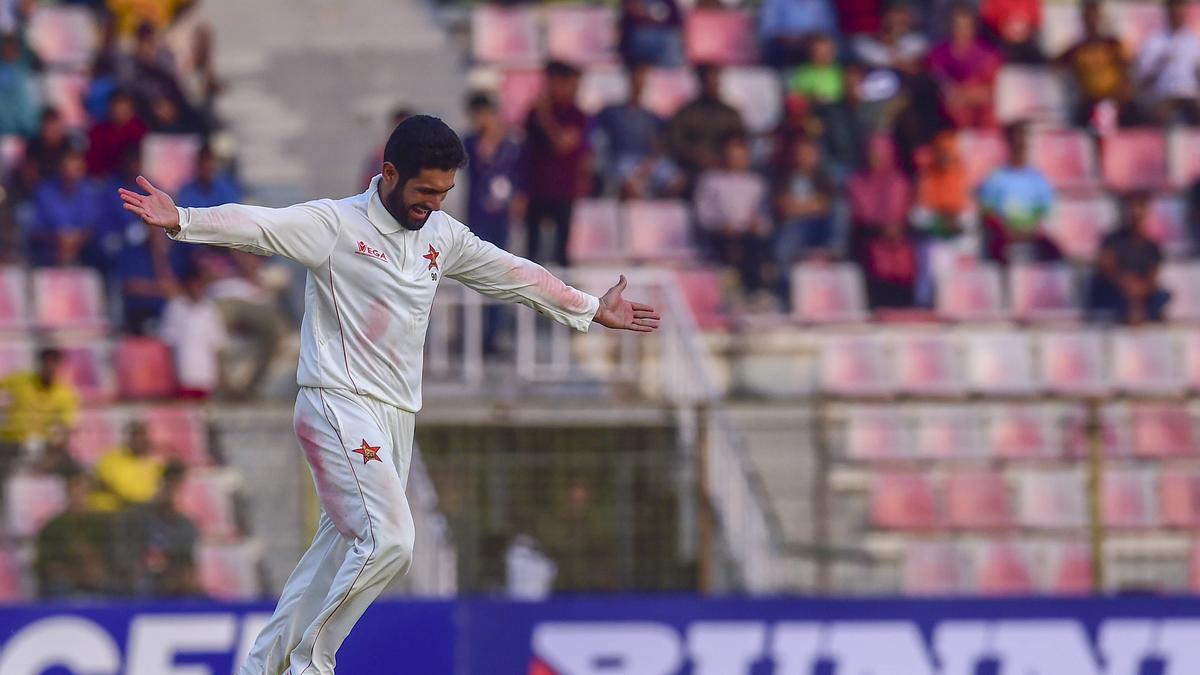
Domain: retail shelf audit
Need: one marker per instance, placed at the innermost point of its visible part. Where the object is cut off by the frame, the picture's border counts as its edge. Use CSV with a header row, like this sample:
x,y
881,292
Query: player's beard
x,y
395,205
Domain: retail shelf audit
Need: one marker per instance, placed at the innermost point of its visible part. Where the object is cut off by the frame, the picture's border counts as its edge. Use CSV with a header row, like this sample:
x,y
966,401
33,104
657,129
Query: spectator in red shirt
x,y
1014,25
881,194
109,140
966,68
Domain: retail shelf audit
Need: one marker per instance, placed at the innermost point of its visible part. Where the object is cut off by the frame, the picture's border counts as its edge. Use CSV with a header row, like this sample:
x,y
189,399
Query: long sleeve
x,y
490,270
305,232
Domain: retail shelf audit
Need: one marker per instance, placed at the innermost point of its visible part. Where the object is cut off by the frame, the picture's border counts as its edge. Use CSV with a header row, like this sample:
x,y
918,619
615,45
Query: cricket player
x,y
374,262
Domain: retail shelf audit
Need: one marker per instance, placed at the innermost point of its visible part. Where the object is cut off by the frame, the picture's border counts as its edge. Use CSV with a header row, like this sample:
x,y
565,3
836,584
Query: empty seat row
x,y
603,230
59,298
997,567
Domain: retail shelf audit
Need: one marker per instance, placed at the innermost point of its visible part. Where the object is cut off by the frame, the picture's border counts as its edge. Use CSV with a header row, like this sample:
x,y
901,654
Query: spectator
x,y
859,17
167,116
108,141
1099,66
799,122
493,157
1125,285
966,67
210,187
785,27
1167,69
149,74
821,81
555,160
1014,199
372,166
131,15
654,176
37,404
72,555
871,100
651,32
156,544
127,474
1013,25
18,91
56,458
804,201
889,262
731,210
881,195
696,133
921,117
47,148
68,211
193,326
627,132
943,215
896,45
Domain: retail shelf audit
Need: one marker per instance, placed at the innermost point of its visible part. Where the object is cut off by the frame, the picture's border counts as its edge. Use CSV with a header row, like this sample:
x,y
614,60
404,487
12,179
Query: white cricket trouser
x,y
359,450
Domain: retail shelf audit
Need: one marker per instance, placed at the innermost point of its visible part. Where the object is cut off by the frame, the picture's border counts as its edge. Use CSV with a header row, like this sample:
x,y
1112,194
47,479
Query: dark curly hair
x,y
423,142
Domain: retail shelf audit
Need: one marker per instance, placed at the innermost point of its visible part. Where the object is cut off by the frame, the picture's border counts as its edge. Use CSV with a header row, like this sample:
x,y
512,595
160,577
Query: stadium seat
x,y
1134,22
1060,27
516,94
1077,434
64,37
1004,568
602,85
755,93
89,370
1146,361
879,434
1134,159
1182,280
928,363
506,35
1066,157
178,433
1168,225
229,571
978,501
206,497
1078,225
948,432
701,289
855,365
720,36
1022,431
1179,492
30,500
96,431
64,91
667,89
144,368
1030,92
1070,564
1072,362
581,34
1183,156
971,293
657,230
828,293
982,152
1128,499
12,153
932,568
904,501
11,586
16,356
1052,499
14,291
1043,292
169,160
1000,362
68,298
1191,358
595,232
1162,430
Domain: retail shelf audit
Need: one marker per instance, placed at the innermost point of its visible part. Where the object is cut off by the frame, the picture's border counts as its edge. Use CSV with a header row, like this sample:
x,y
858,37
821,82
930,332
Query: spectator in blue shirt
x,y
210,187
651,32
1014,200
628,132
18,93
67,210
785,25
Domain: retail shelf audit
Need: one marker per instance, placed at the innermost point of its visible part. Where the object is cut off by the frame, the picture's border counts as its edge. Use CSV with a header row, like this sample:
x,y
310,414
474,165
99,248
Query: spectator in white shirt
x,y
731,211
1167,69
896,45
193,326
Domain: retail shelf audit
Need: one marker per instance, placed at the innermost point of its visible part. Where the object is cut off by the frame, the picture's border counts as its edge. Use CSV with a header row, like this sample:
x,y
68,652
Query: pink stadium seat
x,y
31,500
14,311
601,86
1071,565
1072,362
855,365
721,36
16,356
1029,92
595,231
581,34
932,568
229,571
1146,362
1183,156
144,368
1128,499
1079,225
948,432
657,230
1134,22
1042,291
68,298
89,370
1182,280
1000,362
971,293
1066,157
1168,225
1135,159
875,434
64,91
63,36
1052,498
1004,569
206,497
517,92
928,363
12,153
1191,358
978,501
97,431
178,433
1060,27
982,151
1179,492
1077,435
755,93
702,289
507,35
904,501
169,160
828,293
11,588
667,89
1022,431
1161,430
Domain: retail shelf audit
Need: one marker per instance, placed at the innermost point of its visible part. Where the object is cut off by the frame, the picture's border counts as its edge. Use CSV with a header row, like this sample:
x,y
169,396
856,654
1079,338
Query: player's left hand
x,y
617,312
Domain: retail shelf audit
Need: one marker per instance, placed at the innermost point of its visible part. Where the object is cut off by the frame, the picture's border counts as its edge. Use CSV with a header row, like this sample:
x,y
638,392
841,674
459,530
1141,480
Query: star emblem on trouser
x,y
369,452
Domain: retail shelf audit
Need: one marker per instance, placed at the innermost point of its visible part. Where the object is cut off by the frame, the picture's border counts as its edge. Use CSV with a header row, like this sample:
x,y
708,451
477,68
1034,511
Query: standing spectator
x,y
896,45
210,187
1168,69
108,141
627,132
555,160
18,91
192,325
493,156
68,211
943,215
804,201
821,81
785,26
697,132
37,404
921,117
966,67
1013,25
375,160
1125,285
731,209
1014,200
1099,66
73,557
127,474
651,31
889,262
156,544
881,195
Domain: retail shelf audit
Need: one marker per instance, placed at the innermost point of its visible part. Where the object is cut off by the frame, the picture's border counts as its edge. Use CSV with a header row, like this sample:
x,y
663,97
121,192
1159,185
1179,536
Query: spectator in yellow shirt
x,y
127,475
37,403
129,14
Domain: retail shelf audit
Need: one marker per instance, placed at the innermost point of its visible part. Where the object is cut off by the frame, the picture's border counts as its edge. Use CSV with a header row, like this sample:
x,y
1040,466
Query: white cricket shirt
x,y
371,284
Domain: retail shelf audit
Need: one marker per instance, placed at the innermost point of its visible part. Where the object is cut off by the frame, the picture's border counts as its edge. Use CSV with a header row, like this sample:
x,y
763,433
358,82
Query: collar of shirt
x,y
376,213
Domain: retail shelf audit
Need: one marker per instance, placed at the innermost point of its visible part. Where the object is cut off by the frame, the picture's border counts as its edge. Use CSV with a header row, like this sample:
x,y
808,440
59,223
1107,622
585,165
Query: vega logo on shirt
x,y
371,251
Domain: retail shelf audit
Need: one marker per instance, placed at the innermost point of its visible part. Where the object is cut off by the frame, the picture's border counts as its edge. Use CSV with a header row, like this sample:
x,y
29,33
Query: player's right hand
x,y
154,208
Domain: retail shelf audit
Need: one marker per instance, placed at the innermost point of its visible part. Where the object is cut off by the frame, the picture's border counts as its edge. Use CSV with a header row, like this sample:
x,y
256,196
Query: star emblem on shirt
x,y
432,257
369,452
